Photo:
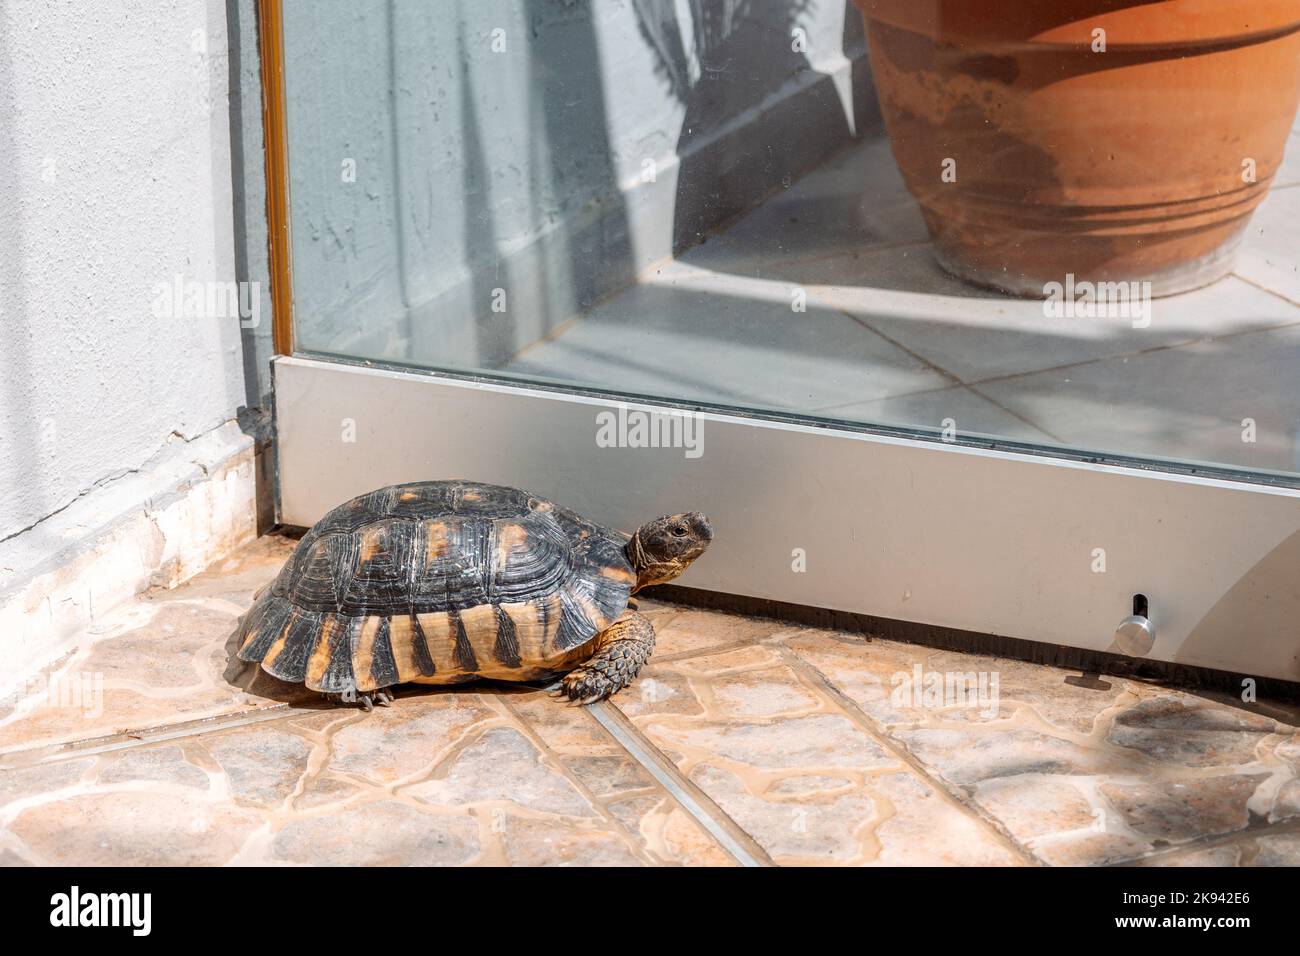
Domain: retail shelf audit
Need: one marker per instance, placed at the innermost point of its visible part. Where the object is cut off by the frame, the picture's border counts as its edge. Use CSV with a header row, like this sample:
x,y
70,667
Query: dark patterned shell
x,y
438,582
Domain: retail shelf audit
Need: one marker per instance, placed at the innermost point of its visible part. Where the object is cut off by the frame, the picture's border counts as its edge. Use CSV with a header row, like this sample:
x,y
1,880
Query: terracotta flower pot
x,y
1139,161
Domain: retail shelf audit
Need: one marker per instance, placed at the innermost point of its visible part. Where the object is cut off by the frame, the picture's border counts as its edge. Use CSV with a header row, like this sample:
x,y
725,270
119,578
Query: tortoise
x,y
440,582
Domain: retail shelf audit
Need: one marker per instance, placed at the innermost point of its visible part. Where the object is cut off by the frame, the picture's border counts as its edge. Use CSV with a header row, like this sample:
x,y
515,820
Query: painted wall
x,y
116,169
552,149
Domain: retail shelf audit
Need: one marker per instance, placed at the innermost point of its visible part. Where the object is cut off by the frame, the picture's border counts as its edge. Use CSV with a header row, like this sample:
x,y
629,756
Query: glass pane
x,y
1074,226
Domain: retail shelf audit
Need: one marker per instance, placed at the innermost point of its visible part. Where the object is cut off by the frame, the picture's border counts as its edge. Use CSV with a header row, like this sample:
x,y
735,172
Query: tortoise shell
x,y
439,582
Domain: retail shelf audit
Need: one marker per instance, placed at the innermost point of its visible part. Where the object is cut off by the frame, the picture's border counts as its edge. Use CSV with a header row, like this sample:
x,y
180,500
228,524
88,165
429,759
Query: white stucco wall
x,y
115,176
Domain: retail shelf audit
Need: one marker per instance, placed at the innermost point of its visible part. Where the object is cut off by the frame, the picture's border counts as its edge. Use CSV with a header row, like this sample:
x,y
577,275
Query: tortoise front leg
x,y
621,650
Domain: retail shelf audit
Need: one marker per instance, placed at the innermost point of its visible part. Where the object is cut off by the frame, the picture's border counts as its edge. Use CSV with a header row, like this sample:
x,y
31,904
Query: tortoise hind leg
x,y
366,700
621,650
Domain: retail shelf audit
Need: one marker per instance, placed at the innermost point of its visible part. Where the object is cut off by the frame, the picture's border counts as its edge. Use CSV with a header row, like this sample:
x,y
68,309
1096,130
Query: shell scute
x,y
329,668
530,557
438,582
409,646
373,665
381,583
450,561
325,571
287,657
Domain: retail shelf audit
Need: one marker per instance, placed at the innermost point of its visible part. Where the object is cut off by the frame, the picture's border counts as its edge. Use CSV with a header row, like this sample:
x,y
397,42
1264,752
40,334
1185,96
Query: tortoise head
x,y
664,548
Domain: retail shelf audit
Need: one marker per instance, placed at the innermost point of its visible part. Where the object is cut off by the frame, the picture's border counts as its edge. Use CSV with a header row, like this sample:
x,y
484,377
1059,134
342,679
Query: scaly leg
x,y
621,649
366,701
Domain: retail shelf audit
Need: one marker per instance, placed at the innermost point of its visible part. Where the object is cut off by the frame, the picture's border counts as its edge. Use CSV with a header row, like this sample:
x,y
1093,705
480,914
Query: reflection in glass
x,y
701,201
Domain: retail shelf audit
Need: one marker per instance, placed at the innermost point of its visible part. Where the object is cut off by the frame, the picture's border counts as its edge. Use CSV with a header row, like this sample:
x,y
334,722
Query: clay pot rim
x,y
915,16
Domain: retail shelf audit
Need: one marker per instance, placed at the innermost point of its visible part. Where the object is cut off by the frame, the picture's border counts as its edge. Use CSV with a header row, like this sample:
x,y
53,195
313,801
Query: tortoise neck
x,y
636,557
648,571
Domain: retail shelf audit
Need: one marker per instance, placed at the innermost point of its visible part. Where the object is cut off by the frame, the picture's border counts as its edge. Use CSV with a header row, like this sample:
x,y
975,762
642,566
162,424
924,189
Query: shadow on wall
x,y
570,178
485,208
544,228
500,192
1264,603
726,61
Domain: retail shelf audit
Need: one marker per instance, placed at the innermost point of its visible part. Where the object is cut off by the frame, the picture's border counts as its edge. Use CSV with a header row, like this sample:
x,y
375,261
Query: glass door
x,y
965,314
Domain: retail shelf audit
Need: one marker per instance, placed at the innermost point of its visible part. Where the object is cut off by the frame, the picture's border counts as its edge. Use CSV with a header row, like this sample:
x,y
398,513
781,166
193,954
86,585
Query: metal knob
x,y
1136,633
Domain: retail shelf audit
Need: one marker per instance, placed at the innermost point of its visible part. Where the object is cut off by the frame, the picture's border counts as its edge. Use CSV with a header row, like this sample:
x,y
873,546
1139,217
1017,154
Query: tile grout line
x,y
955,379
57,753
813,258
1110,357
708,651
1014,414
1211,841
640,848
1139,353
1263,288
940,786
730,835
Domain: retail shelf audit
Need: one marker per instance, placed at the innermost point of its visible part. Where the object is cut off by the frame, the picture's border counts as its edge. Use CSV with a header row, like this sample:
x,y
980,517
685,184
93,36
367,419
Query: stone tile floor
x,y
746,741
889,338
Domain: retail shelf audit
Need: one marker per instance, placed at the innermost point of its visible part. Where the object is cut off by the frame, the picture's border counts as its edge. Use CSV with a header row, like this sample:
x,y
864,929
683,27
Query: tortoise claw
x,y
367,702
586,685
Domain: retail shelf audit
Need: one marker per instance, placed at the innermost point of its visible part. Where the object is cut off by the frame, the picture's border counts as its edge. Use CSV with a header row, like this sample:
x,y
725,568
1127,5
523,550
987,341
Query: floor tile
x,y
689,631
692,336
889,682
1077,775
150,827
377,834
396,745
1277,849
1268,254
988,337
161,660
616,781
668,832
797,774
442,779
501,766
1281,849
957,411
1187,403
856,200
817,746
1288,173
